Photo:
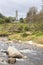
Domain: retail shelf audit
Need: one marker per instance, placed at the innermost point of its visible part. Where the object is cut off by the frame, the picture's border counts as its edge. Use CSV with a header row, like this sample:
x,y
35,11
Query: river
x,y
34,54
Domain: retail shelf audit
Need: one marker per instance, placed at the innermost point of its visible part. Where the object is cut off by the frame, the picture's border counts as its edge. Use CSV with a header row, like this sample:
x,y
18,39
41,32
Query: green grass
x,y
23,34
38,38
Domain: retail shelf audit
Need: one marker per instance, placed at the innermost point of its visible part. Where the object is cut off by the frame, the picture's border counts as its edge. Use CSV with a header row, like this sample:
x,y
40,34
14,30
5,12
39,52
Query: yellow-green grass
x,y
39,39
24,35
18,36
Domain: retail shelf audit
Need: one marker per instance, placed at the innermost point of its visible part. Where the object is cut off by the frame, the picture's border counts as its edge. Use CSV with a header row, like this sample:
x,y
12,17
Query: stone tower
x,y
16,15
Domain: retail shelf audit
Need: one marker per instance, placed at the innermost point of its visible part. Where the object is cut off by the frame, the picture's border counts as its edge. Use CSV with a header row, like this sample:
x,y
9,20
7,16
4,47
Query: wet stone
x,y
1,60
11,60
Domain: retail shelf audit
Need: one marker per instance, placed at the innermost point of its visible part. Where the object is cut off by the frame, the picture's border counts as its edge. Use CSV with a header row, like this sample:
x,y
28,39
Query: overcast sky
x,y
8,7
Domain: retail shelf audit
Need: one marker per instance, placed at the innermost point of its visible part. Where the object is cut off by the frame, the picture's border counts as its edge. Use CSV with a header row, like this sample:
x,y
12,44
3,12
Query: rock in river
x,y
14,53
11,60
1,60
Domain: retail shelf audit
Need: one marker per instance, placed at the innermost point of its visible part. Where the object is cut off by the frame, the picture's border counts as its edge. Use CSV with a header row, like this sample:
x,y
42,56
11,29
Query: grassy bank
x,y
22,31
38,37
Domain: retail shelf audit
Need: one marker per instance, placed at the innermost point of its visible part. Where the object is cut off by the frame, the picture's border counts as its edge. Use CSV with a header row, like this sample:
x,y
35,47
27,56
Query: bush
x,y
21,20
2,21
39,40
7,20
24,34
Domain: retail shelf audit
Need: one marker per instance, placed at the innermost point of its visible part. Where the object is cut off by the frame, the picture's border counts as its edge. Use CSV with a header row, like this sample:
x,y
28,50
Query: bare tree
x,y
31,13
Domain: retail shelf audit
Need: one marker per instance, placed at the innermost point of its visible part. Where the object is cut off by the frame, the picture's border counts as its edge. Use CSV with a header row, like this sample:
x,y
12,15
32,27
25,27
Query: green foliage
x,y
21,20
26,29
7,20
24,34
39,33
34,20
2,21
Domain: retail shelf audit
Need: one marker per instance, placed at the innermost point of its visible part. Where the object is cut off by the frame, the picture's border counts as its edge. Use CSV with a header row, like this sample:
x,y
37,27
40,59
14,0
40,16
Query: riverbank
x,y
30,43
6,41
21,31
37,37
14,41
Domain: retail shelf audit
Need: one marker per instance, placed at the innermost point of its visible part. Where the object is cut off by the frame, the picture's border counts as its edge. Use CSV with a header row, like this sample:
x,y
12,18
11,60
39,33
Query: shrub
x,y
24,34
21,20
2,21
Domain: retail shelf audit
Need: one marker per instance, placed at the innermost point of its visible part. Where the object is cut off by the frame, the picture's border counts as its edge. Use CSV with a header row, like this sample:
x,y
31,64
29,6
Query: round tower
x,y
16,15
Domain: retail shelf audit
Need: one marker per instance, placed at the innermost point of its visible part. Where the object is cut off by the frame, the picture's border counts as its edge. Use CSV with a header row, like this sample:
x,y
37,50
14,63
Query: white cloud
x,y
8,7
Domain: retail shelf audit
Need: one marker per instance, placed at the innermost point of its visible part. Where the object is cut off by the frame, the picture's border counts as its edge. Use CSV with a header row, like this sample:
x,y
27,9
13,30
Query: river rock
x,y
11,60
1,60
14,53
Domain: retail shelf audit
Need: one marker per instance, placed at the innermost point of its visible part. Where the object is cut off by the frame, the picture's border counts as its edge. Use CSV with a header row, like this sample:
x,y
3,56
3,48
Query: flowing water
x,y
33,53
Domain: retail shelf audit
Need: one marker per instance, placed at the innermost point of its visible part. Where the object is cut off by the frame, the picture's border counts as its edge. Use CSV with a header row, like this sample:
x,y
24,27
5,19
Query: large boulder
x,y
14,53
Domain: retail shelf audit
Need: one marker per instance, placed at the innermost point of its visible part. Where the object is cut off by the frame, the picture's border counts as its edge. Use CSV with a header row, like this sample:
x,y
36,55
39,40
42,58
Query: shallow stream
x,y
33,53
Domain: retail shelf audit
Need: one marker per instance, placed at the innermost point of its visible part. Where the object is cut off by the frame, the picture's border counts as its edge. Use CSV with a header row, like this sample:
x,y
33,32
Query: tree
x,y
7,20
31,13
21,20
1,15
2,21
